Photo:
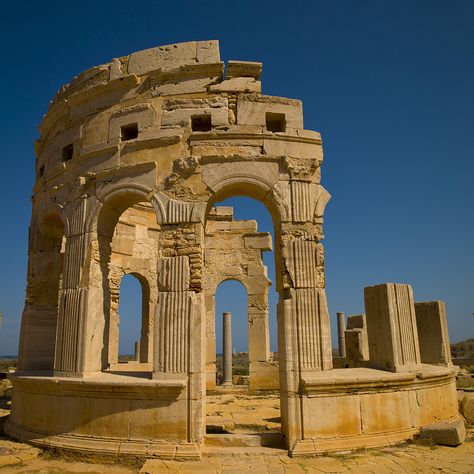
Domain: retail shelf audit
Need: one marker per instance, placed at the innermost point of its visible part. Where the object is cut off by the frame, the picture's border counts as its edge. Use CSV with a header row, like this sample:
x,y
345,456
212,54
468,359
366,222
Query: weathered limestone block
x,y
276,145
467,407
433,333
448,433
180,112
357,344
252,110
243,69
237,84
52,154
173,55
264,375
95,99
123,245
259,241
221,213
142,115
187,79
391,327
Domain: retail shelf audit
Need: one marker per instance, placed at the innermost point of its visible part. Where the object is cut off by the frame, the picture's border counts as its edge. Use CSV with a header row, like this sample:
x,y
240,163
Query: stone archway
x,y
233,251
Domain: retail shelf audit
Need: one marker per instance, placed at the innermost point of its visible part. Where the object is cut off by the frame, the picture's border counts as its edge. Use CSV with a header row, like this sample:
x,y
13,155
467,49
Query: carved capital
x,y
301,169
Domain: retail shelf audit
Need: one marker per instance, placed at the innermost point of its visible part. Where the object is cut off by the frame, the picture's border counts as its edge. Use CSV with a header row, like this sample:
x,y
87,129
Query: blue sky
x,y
389,84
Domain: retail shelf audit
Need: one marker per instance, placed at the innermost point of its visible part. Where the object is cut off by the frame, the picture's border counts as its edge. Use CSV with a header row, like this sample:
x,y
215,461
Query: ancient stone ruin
x,y
132,158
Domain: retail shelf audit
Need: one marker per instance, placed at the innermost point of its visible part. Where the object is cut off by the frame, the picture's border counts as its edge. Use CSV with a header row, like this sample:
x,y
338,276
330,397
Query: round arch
x,y
260,190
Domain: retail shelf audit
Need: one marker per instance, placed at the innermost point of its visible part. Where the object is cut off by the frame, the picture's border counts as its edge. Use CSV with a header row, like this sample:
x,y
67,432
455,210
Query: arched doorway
x,y
239,235
127,240
132,320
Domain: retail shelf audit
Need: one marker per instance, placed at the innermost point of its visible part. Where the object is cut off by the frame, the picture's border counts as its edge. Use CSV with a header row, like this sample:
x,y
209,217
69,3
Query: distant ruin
x,y
132,158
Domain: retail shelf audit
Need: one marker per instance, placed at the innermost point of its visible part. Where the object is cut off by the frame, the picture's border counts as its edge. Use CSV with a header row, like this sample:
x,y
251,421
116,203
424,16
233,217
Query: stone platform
x,y
348,409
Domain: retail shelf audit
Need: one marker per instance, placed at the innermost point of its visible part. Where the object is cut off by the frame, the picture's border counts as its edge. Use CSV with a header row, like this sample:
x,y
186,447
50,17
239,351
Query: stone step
x,y
228,440
240,451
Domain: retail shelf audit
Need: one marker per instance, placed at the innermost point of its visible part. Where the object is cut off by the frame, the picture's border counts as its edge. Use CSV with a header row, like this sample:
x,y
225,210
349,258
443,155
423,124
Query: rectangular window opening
x,y
129,131
201,123
275,122
68,152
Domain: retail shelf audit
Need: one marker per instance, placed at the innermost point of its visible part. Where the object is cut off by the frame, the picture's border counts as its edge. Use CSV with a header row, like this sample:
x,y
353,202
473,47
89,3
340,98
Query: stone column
x,y
227,348
341,327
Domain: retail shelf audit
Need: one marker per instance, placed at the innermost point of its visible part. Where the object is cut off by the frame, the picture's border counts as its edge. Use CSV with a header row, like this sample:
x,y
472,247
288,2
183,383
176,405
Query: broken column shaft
x,y
227,348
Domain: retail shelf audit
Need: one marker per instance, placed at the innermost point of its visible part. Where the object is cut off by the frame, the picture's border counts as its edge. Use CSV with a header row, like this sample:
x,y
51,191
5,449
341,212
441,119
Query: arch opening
x,y
239,260
128,245
231,296
132,319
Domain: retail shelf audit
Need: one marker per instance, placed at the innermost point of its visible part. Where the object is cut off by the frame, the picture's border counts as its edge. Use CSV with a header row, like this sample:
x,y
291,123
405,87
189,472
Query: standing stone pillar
x,y
433,333
227,347
341,327
391,327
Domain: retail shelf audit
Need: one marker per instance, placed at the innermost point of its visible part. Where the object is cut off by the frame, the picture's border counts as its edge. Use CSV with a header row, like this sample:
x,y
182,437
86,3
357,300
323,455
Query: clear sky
x,y
389,84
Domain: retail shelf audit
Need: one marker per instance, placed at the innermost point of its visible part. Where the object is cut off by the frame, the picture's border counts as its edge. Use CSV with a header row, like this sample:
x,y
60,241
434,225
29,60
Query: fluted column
x,y
70,344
